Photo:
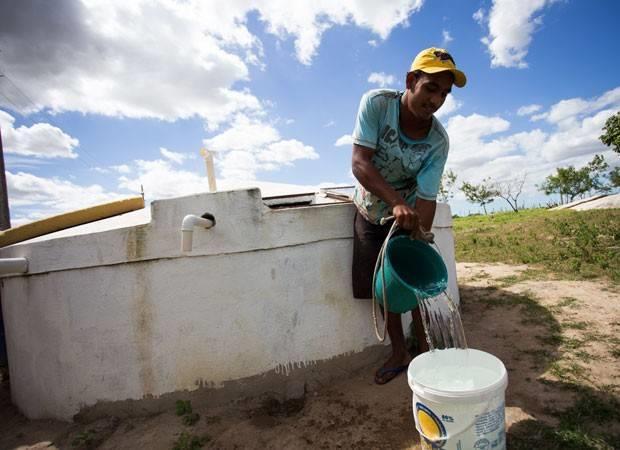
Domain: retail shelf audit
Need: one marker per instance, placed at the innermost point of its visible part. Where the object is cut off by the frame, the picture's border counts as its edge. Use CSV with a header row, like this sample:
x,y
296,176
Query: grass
x,y
579,426
578,244
188,441
84,439
564,245
184,410
585,424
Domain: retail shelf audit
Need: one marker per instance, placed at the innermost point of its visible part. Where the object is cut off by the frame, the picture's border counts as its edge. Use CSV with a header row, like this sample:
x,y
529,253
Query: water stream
x,y
442,322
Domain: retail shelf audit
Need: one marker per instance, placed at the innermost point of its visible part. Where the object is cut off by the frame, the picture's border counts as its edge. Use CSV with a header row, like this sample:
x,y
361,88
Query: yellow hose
x,y
68,220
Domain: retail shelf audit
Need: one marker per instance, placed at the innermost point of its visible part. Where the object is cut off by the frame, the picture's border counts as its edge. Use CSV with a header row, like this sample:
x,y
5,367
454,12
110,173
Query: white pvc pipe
x,y
13,266
210,171
187,229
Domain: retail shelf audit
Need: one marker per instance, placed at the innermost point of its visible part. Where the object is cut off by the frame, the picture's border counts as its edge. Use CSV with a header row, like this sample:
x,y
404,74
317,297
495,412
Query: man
x,y
399,152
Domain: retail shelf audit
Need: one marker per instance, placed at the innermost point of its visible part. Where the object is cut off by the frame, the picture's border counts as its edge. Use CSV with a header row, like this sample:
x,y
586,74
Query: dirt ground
x,y
551,334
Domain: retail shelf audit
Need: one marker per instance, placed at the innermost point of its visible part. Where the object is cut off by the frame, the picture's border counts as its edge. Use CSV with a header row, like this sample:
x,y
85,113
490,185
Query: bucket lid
x,y
456,374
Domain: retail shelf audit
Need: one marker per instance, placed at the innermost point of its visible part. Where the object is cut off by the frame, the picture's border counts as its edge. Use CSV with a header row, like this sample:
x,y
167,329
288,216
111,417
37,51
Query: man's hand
x,y
406,217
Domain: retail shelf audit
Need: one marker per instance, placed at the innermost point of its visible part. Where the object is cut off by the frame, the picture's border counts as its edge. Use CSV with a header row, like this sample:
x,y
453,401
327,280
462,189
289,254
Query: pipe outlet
x,y
190,221
10,266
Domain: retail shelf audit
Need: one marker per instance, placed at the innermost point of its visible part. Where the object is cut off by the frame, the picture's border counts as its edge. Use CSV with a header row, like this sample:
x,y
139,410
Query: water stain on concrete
x,y
136,242
276,384
142,320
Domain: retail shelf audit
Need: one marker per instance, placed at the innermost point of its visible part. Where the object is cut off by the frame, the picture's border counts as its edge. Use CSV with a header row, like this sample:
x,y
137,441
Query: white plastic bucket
x,y
458,399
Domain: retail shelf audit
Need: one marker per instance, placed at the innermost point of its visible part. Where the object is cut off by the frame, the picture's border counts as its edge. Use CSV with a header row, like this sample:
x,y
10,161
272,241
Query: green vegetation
x,y
187,441
85,439
482,194
611,132
569,182
588,423
184,409
575,430
577,244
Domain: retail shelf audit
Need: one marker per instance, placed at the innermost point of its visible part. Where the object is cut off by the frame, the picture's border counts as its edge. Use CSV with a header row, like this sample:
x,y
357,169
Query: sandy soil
x,y
356,413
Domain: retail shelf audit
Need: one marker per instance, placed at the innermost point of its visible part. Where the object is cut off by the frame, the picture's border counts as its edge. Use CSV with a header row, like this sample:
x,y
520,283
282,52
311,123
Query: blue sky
x,y
100,97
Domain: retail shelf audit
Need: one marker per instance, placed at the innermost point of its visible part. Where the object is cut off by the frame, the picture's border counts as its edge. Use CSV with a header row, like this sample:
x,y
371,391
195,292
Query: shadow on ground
x,y
543,412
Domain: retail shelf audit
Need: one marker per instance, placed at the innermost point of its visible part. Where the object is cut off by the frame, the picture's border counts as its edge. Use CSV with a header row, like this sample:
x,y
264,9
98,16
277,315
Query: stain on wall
x,y
143,317
136,242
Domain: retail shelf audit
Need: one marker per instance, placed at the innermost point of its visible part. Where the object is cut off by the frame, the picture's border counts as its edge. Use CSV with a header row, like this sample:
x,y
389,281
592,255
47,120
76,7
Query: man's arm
x,y
370,177
426,212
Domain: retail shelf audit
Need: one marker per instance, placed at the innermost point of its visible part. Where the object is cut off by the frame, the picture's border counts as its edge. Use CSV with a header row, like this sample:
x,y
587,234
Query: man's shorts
x,y
367,241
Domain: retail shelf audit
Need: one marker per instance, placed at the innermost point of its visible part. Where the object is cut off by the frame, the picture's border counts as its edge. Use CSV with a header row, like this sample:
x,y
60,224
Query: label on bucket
x,y
461,427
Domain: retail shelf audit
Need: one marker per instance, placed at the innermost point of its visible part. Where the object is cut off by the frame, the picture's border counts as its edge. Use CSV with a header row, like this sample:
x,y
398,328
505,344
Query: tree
x,y
446,185
614,177
569,182
611,135
510,190
596,169
483,193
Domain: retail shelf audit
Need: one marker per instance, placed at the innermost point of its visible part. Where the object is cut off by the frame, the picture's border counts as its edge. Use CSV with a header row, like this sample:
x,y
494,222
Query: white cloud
x,y
284,152
567,113
32,197
511,26
331,123
373,43
165,59
478,16
40,140
469,141
307,21
121,168
381,79
537,117
528,110
481,148
74,56
577,140
345,139
447,38
174,156
243,134
161,179
449,106
251,145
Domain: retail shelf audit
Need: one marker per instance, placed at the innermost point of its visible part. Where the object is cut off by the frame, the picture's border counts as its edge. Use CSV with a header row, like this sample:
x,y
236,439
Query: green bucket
x,y
413,269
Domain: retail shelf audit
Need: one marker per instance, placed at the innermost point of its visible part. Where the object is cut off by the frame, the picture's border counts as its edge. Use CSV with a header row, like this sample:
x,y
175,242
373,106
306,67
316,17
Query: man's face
x,y
427,92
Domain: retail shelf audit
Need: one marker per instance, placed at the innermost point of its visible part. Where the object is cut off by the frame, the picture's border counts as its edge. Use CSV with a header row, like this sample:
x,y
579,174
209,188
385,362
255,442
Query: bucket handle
x,y
380,264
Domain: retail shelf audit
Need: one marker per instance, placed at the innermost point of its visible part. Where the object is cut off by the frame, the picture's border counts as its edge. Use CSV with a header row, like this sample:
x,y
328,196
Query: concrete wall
x,y
123,314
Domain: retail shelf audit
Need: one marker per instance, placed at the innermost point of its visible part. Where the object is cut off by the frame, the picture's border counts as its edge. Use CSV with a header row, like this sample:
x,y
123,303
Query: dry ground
x,y
551,334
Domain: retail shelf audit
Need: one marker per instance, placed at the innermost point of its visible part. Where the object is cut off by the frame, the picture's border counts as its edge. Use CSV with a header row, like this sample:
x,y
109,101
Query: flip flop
x,y
386,374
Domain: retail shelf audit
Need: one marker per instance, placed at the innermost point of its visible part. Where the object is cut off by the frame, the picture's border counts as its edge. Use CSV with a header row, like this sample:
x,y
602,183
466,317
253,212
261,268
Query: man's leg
x,y
400,356
418,326
367,241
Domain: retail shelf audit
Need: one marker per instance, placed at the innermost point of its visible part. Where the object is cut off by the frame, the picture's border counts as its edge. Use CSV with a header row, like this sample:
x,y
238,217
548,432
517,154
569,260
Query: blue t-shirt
x,y
412,167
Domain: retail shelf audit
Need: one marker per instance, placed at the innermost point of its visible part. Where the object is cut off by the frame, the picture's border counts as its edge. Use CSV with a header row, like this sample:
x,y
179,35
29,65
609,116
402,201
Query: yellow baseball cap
x,y
433,60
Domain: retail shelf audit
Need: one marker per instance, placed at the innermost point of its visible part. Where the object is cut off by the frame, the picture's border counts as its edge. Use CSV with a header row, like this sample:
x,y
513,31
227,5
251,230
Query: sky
x,y
99,98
